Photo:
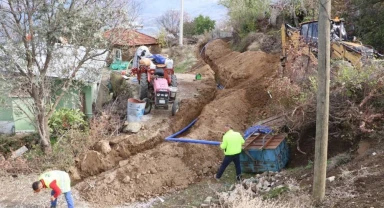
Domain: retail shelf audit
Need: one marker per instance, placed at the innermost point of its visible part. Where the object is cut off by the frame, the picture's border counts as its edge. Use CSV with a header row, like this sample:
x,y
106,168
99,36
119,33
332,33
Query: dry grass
x,y
348,189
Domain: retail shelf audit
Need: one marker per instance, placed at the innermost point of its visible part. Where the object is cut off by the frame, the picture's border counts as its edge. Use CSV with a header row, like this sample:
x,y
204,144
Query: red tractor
x,y
158,87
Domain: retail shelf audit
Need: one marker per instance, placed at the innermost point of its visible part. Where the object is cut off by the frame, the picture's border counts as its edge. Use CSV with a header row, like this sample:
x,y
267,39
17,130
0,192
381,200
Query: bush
x,y
65,119
64,152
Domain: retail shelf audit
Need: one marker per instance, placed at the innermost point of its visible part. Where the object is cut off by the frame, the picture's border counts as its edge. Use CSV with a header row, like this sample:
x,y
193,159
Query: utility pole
x,y
181,23
322,110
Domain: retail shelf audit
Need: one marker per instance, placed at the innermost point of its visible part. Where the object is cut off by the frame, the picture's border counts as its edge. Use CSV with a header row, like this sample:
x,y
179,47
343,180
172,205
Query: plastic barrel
x,y
135,110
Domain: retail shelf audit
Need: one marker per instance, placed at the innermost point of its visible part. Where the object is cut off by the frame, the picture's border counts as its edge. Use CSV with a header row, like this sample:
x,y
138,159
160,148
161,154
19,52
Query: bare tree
x,y
30,33
170,21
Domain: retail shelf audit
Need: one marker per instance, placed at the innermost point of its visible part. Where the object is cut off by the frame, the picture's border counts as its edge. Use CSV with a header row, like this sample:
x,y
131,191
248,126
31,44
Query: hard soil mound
x,y
164,166
234,69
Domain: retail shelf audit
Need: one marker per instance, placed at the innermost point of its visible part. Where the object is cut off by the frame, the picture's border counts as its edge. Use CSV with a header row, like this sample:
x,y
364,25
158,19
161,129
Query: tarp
x,y
158,58
257,129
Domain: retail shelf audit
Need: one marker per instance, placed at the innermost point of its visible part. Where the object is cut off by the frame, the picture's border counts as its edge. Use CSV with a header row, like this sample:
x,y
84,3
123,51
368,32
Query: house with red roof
x,y
126,41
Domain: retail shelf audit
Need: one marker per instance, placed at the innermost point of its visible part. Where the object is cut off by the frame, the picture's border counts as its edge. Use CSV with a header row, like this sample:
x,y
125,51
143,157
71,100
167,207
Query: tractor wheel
x,y
143,86
175,107
173,80
148,106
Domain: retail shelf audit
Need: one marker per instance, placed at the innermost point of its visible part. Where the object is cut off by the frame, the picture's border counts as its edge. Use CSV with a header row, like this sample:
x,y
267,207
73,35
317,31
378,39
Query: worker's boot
x,y
239,178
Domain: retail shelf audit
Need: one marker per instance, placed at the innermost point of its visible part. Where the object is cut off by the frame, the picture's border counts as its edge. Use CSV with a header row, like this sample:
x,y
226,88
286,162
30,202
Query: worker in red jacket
x,y
59,182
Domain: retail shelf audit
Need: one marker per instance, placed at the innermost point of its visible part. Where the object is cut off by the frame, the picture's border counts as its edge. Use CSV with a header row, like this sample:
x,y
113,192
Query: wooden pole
x,y
322,110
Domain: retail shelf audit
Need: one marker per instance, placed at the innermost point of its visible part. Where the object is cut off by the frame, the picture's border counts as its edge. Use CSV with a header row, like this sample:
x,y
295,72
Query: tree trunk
x,y
322,110
45,141
41,119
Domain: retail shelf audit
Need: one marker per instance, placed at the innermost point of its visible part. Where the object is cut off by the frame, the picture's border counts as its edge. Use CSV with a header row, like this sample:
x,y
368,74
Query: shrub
x,y
65,119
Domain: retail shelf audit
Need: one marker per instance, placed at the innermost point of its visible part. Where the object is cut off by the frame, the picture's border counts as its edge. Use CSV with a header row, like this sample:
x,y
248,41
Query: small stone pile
x,y
265,182
255,186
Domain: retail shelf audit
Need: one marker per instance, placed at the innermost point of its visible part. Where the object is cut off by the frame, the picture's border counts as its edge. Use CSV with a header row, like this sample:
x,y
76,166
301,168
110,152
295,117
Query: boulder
x,y
103,146
91,163
132,127
74,173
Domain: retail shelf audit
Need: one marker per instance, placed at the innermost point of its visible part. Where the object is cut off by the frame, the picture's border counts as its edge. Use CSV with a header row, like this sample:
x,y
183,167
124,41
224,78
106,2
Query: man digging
x,y
59,182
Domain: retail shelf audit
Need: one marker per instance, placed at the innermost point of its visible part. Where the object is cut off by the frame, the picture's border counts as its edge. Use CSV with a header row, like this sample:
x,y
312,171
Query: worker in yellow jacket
x,y
59,182
232,146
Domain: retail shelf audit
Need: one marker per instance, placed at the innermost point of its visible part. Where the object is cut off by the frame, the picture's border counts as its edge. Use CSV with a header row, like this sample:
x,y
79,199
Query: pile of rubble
x,y
268,184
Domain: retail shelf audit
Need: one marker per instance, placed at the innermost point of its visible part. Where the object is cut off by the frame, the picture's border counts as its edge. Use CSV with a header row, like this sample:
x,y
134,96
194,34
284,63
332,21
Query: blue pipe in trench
x,y
187,140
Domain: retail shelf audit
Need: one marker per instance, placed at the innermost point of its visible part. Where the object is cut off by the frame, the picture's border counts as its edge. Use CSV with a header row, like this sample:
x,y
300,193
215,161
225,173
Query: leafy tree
x,y
369,22
244,13
203,24
30,33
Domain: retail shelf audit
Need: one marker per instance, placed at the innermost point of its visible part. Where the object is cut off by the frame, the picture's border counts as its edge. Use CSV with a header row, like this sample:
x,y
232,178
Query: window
x,y
309,32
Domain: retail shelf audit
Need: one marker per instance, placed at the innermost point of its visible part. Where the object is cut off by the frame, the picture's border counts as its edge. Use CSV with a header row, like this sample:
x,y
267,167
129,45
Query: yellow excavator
x,y
354,52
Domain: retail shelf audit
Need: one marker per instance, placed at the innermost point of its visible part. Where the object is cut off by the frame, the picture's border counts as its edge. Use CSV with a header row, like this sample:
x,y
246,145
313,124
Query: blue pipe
x,y
187,140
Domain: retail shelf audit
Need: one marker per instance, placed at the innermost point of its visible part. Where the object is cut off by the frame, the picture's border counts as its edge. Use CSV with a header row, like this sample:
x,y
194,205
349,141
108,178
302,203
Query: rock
x,y
331,179
2,158
208,200
92,163
232,187
259,186
267,189
127,179
205,170
266,184
246,184
19,152
153,171
254,187
215,201
204,205
125,123
261,181
374,153
169,182
110,177
123,163
132,127
103,146
74,173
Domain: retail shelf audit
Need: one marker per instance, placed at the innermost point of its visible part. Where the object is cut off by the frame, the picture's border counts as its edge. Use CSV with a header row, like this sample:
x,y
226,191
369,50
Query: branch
x,y
373,117
363,128
367,98
18,67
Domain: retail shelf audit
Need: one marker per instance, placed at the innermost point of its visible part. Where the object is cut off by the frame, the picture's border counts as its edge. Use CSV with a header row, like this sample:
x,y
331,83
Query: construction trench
x,y
140,166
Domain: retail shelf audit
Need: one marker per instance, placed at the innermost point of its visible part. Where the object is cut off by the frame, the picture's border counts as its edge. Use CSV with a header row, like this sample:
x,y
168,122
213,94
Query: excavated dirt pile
x,y
160,167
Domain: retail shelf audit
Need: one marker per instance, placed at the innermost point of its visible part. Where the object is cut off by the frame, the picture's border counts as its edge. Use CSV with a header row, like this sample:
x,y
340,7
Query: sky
x,y
152,9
